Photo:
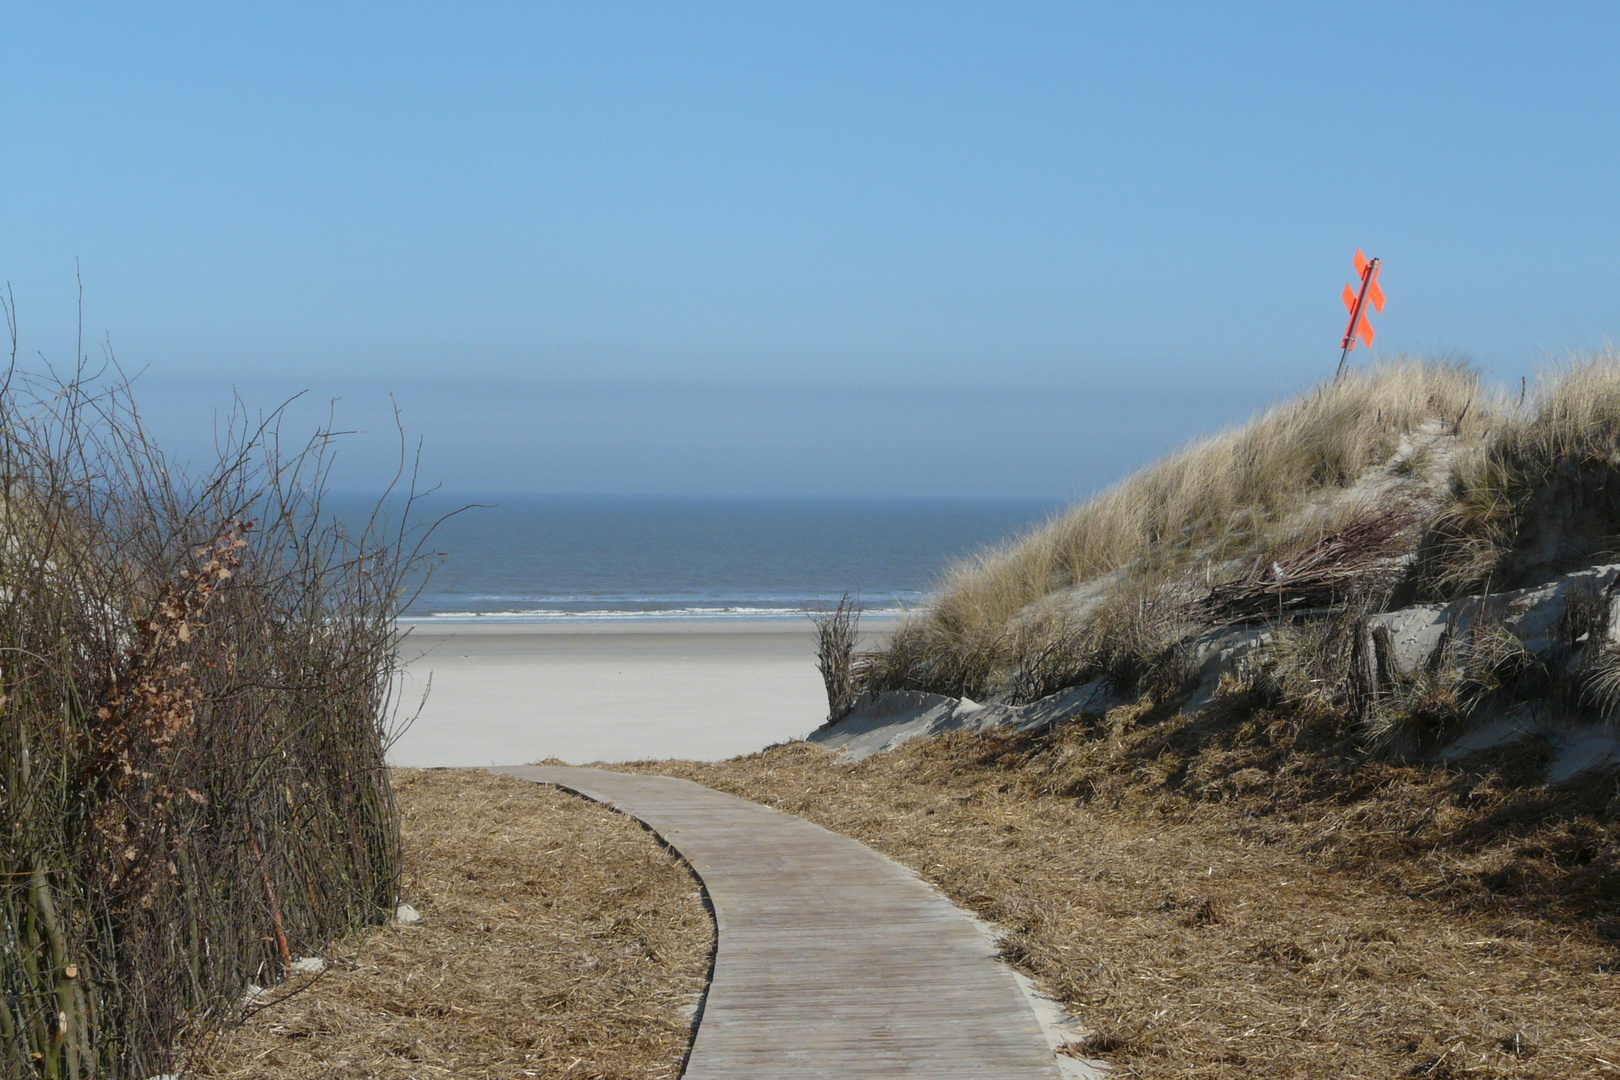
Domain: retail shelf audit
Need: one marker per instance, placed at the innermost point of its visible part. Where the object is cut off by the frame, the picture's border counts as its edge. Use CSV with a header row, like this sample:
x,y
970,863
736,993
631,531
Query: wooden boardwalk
x,y
833,961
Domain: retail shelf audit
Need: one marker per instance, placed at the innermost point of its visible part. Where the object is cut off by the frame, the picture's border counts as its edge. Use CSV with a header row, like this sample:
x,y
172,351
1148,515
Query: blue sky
x,y
890,249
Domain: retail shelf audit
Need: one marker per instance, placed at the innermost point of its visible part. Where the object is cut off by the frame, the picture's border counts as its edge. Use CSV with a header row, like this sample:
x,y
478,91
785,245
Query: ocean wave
x,y
552,615
652,601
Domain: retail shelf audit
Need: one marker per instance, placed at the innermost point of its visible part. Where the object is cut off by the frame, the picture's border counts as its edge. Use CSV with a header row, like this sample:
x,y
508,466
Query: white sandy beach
x,y
511,693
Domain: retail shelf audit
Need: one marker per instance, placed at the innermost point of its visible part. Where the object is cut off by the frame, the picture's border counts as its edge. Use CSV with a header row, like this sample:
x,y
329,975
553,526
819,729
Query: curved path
x,y
833,961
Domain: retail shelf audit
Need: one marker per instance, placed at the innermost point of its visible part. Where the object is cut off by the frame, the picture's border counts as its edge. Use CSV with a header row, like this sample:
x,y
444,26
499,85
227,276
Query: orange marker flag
x,y
1356,303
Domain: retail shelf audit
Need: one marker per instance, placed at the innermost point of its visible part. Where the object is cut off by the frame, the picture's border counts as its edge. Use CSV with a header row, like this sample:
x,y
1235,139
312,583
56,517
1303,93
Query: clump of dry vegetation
x,y
1225,896
836,633
1538,497
196,678
557,938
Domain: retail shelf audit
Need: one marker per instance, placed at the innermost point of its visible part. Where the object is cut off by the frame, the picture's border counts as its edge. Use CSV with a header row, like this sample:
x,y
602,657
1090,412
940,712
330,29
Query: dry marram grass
x,y
1197,518
1264,887
1537,499
1221,495
557,939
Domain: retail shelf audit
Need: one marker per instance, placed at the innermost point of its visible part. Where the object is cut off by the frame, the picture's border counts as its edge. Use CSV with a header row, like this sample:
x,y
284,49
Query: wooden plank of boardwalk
x,y
833,961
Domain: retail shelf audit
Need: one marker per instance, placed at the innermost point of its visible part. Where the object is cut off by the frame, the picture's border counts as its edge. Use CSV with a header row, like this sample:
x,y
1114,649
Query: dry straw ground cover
x,y
1216,903
557,939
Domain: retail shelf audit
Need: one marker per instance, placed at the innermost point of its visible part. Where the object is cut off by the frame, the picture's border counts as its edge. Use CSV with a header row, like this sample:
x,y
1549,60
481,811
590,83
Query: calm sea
x,y
603,558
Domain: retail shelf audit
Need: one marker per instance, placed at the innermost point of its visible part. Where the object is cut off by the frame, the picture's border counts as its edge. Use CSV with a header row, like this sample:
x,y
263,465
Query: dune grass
x,y
1405,481
1220,497
1542,496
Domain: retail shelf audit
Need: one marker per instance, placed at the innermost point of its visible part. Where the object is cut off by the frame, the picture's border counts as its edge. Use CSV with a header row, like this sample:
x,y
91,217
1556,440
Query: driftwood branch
x,y
1366,554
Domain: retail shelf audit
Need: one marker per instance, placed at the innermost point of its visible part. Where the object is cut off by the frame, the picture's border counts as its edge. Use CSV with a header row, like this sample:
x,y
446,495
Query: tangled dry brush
x,y
196,680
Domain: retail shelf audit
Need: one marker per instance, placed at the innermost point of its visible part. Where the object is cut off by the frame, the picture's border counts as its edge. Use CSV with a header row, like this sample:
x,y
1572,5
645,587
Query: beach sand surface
x,y
513,693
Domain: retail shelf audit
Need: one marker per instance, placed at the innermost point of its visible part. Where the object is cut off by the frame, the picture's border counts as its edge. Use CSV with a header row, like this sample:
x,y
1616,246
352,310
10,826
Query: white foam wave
x,y
543,615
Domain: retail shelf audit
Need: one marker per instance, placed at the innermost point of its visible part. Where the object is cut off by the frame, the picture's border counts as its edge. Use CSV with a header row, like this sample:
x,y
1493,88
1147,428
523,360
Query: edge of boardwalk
x,y
696,1019
913,992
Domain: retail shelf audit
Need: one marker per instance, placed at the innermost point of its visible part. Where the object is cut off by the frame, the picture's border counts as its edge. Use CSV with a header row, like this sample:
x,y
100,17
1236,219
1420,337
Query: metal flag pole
x,y
1349,341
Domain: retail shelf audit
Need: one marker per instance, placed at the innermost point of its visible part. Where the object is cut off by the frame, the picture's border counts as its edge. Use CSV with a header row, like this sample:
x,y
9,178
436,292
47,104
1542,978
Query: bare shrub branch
x,y
197,684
